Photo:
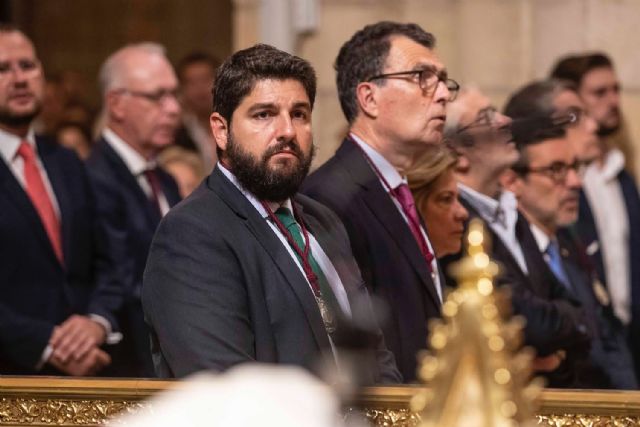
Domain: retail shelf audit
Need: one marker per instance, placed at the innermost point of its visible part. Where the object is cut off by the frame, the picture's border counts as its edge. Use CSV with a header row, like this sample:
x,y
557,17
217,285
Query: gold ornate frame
x,y
47,401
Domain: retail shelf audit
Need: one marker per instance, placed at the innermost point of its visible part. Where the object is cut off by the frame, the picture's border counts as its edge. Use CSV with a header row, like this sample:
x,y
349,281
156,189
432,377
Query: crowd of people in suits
x,y
335,271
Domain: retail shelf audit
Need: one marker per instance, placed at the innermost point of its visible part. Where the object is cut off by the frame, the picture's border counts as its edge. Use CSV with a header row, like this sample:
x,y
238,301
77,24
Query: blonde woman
x,y
433,184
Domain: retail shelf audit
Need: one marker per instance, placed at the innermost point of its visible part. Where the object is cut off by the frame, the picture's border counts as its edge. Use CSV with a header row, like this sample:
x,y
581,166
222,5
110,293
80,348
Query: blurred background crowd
x,y
561,78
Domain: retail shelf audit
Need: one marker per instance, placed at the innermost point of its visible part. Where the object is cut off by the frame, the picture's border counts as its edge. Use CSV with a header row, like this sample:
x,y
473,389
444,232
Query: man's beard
x,y
12,120
268,183
604,130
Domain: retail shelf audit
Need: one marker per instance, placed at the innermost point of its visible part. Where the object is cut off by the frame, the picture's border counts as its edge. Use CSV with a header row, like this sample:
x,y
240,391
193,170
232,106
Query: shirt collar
x,y
542,238
503,210
613,164
386,169
253,199
9,144
135,162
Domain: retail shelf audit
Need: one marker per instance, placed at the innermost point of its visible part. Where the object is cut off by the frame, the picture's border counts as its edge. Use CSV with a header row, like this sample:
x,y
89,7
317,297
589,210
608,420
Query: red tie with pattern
x,y
404,197
40,198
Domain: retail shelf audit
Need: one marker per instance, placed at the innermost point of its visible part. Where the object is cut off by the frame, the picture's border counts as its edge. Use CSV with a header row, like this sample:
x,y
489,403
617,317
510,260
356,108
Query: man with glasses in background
x,y
610,204
482,138
393,90
142,113
547,182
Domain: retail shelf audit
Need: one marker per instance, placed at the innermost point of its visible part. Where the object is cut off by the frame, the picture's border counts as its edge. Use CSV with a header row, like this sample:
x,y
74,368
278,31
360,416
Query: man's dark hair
x,y
364,56
196,58
238,74
574,67
534,116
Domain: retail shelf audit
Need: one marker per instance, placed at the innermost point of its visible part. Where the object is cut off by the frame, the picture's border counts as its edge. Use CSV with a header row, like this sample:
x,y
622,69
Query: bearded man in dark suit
x,y
245,269
56,294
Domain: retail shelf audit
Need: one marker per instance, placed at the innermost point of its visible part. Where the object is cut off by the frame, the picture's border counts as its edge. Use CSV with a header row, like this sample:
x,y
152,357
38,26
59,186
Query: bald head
x,y
139,87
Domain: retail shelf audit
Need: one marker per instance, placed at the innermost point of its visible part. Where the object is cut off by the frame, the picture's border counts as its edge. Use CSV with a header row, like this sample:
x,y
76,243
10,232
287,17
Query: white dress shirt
x,y
604,194
394,179
137,165
9,144
501,215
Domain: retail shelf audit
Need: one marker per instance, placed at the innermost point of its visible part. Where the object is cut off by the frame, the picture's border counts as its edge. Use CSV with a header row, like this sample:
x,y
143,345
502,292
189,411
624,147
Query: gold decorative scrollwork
x,y
390,417
584,420
34,412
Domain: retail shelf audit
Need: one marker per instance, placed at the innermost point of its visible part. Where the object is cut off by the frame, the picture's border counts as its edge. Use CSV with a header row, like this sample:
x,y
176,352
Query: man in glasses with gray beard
x,y
246,269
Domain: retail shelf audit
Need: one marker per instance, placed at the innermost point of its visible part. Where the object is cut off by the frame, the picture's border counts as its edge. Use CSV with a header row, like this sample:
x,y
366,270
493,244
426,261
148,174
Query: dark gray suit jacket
x,y
387,254
220,288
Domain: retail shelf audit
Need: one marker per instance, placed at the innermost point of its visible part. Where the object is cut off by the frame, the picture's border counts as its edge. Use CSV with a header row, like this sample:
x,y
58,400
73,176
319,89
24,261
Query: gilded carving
x,y
584,420
392,418
21,411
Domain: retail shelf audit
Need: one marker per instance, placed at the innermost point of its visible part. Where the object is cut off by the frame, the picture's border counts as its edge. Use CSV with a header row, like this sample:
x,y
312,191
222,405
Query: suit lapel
x,y
129,181
385,211
276,251
65,204
14,191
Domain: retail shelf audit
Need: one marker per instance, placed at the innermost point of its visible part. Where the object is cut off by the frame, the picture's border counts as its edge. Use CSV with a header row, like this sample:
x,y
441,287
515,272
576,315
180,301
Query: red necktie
x,y
403,195
40,198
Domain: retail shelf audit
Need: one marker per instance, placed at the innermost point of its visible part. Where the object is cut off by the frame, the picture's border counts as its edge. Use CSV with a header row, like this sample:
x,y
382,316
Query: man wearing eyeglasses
x,y
482,138
547,182
55,292
142,113
393,90
610,204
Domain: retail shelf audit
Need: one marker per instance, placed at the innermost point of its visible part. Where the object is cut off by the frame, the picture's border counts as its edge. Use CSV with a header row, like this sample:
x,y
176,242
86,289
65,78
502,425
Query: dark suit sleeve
x,y
195,299
108,294
551,325
23,339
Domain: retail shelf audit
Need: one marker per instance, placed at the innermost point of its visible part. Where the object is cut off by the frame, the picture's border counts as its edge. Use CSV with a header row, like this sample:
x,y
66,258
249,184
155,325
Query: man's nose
x,y
285,128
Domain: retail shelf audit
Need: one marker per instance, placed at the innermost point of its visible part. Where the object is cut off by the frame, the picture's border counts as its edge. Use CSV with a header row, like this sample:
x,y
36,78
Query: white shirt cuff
x,y
111,337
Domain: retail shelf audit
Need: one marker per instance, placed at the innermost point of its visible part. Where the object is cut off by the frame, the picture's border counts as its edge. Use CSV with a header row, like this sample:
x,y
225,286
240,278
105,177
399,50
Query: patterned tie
x,y
404,196
555,263
286,217
40,198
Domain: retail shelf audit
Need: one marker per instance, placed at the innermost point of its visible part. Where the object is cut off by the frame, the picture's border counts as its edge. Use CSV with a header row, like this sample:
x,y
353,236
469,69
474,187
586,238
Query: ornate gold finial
x,y
477,374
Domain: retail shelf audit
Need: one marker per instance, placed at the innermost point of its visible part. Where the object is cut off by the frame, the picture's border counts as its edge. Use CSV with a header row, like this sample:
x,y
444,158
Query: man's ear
x,y
512,181
366,96
114,103
219,130
463,164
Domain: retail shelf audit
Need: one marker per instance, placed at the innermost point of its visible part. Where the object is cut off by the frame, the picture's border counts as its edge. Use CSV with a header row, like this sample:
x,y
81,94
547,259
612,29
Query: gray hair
x,y
112,74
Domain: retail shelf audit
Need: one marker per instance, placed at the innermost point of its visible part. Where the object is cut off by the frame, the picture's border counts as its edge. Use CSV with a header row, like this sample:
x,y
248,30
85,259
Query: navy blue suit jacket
x,y
587,231
130,220
386,251
610,363
36,291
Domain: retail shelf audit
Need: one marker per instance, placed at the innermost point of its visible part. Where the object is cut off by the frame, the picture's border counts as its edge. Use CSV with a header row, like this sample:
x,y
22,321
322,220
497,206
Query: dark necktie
x,y
40,198
286,217
152,178
405,198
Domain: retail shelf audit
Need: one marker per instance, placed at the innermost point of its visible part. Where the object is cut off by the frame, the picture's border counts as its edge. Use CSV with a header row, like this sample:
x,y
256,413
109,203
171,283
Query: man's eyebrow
x,y
262,106
440,72
302,104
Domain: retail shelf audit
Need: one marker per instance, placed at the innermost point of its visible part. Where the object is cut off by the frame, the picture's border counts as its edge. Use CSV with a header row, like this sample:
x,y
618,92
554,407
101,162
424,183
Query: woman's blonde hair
x,y
426,170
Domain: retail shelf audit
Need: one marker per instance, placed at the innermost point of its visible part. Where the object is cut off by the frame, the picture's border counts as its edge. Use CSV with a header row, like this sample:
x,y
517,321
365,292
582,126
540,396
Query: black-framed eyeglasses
x,y
557,171
428,80
155,97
